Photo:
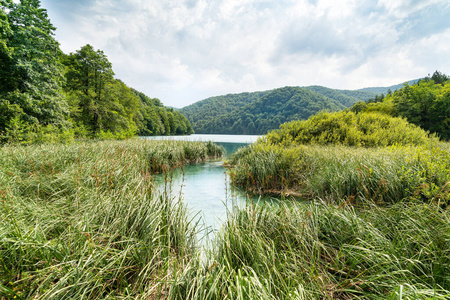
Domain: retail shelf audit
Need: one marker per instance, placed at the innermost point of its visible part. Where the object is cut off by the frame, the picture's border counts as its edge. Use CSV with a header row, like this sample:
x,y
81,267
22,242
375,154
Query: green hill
x,y
259,112
345,97
264,111
203,112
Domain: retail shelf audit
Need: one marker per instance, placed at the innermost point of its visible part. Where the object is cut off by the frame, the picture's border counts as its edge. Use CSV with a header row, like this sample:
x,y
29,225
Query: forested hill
x,y
345,97
259,112
204,112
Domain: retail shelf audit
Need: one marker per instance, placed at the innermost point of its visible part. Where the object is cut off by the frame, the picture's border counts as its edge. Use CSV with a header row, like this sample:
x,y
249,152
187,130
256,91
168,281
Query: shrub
x,y
350,129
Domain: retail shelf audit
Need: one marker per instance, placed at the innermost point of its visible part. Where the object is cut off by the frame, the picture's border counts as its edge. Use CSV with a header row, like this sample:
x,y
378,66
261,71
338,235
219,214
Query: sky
x,y
183,51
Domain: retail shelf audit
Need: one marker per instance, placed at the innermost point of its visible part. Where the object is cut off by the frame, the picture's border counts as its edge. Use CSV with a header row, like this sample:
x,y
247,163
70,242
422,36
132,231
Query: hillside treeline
x,y
47,95
260,112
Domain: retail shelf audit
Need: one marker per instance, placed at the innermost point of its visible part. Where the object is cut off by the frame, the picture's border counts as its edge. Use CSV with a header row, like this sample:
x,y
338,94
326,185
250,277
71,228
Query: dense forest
x,y
260,112
46,94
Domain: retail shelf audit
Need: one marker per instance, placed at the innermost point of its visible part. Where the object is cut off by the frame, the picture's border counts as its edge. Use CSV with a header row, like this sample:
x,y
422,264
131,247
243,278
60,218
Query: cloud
x,y
182,51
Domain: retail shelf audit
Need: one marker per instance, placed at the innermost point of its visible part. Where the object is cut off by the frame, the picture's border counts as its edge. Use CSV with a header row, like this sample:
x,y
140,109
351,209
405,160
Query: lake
x,y
206,187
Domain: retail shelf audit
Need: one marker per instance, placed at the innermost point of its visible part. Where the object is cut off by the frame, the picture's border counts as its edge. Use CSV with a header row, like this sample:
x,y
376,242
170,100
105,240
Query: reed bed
x,y
382,175
321,251
82,221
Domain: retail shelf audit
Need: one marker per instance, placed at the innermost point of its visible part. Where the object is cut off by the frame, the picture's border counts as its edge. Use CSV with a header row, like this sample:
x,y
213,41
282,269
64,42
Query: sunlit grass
x,y
317,251
83,221
382,175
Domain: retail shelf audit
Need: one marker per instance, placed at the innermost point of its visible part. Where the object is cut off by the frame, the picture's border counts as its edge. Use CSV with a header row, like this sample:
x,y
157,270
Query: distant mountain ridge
x,y
384,90
260,112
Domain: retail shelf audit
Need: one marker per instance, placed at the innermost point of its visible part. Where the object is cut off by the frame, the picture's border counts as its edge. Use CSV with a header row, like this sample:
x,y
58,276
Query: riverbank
x,y
383,175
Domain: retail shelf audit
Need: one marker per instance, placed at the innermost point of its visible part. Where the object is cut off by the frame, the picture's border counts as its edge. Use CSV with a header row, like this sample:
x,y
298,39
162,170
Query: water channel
x,y
206,187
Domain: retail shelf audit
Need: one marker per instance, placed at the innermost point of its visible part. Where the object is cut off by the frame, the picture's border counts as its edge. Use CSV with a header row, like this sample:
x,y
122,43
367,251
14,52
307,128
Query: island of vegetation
x,y
364,187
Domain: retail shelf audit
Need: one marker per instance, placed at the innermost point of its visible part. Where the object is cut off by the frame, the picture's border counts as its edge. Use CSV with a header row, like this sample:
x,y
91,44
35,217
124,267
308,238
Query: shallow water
x,y
206,187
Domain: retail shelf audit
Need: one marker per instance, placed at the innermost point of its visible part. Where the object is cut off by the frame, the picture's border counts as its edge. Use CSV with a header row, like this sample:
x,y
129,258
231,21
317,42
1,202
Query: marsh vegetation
x,y
84,220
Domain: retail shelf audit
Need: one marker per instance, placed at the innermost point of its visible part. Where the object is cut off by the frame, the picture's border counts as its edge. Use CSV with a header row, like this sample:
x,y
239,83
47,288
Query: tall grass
x,y
83,221
317,251
383,175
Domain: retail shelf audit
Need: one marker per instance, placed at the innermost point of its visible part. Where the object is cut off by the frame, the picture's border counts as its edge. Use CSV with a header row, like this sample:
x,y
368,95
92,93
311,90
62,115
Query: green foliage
x,y
18,132
6,61
101,100
439,78
259,112
31,74
381,175
348,128
83,220
268,112
82,99
345,97
204,112
315,251
386,90
111,109
412,167
426,104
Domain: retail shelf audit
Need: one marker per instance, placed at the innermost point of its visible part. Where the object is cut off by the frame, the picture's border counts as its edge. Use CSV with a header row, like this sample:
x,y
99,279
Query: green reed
x,y
383,175
317,251
83,220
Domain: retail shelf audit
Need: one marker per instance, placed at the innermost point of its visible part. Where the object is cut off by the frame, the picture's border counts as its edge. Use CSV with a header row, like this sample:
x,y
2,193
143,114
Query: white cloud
x,y
185,50
403,8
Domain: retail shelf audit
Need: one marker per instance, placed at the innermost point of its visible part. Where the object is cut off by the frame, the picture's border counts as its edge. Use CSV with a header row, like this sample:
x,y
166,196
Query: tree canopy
x,y
44,90
260,112
31,90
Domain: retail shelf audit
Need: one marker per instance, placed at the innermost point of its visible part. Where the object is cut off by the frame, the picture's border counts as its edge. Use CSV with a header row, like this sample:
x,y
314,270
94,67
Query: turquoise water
x,y
206,187
216,138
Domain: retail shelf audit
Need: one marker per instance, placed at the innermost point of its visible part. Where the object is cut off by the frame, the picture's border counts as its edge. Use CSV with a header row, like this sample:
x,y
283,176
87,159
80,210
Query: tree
x,y
425,104
31,84
439,78
89,73
6,61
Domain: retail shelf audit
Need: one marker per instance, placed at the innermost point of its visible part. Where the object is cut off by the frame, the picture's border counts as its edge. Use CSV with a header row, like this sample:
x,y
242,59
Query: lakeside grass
x,y
82,220
322,251
382,175
376,226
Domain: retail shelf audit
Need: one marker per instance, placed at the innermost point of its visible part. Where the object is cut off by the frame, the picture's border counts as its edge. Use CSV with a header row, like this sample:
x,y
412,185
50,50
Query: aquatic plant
x,y
319,251
83,220
383,175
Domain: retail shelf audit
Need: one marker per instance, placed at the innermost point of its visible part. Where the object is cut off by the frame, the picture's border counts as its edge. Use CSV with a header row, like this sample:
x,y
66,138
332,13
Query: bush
x,y
350,129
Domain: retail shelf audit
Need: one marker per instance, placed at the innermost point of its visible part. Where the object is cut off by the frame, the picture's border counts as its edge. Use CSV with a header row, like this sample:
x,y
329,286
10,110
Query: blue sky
x,y
182,51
